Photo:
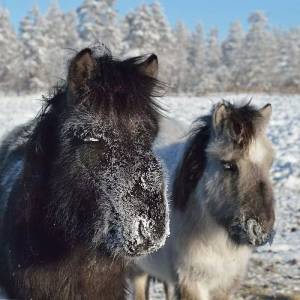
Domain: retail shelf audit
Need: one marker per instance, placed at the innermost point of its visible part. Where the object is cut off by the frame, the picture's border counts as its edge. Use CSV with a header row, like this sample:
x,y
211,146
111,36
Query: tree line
x,y
261,59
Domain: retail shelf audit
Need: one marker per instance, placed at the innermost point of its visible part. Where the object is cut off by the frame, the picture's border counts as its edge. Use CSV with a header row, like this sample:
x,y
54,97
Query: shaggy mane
x,y
118,89
193,163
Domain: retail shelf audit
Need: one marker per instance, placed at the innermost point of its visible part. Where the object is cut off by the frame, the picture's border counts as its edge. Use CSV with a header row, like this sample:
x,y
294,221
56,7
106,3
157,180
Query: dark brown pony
x,y
81,190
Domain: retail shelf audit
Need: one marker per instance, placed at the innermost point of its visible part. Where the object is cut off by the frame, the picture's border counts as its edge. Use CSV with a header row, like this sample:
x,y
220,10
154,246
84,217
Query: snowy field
x,y
274,272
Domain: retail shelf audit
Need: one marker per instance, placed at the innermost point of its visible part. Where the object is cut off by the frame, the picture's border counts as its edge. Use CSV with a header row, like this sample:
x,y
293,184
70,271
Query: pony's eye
x,y
91,140
95,143
229,165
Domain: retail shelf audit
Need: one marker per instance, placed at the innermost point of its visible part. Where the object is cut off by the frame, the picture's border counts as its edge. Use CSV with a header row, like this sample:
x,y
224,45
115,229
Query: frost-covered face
x,y
106,167
237,183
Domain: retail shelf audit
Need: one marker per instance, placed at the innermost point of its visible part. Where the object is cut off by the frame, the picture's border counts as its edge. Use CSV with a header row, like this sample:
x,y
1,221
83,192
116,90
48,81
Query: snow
x,y
275,269
36,54
293,183
16,110
98,22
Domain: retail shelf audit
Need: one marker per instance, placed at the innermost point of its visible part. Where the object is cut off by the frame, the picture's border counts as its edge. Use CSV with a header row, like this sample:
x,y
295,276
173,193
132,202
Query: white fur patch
x,y
259,150
213,260
90,140
207,260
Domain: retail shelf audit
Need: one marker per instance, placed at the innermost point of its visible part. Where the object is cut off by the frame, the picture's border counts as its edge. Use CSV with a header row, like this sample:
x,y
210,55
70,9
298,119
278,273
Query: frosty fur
x,y
81,189
222,206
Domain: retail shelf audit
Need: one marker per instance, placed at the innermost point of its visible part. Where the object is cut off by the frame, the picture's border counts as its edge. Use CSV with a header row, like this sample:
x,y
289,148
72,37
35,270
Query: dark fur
x,y
72,208
192,165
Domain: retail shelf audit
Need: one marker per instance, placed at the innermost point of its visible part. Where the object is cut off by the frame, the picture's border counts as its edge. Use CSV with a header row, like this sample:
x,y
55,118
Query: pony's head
x,y
225,168
105,187
236,178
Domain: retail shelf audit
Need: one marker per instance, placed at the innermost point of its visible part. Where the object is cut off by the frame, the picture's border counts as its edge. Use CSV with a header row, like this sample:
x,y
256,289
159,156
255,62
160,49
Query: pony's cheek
x,y
91,155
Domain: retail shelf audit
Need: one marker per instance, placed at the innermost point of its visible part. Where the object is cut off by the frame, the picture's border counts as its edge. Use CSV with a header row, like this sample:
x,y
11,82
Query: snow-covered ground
x,y
273,270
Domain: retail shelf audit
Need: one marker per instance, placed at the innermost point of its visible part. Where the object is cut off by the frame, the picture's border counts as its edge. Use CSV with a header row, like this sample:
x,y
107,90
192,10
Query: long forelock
x,y
117,91
122,92
241,118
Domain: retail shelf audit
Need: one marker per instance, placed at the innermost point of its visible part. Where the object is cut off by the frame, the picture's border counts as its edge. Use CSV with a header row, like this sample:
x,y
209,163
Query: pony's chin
x,y
125,252
117,252
244,238
240,239
136,246
140,252
131,250
264,239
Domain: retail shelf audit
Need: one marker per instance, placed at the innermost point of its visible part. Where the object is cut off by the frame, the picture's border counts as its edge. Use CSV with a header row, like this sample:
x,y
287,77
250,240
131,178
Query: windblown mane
x,y
193,163
240,120
118,89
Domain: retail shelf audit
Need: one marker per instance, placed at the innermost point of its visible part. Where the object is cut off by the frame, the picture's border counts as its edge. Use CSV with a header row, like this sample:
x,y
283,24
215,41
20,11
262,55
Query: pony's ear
x,y
150,66
219,116
266,112
224,123
81,69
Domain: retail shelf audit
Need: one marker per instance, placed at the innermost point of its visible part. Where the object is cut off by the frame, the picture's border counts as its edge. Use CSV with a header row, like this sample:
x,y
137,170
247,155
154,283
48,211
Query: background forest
x,y
261,59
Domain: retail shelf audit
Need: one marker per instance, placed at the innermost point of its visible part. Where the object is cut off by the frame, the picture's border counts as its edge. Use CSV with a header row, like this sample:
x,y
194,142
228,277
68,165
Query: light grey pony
x,y
222,206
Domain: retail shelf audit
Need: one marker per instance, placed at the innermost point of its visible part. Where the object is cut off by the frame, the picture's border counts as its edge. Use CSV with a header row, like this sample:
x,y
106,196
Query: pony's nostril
x,y
257,230
146,236
257,236
254,231
112,232
143,230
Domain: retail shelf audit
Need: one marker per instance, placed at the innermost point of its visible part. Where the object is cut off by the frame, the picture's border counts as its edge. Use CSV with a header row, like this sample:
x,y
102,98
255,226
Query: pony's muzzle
x,y
147,239
257,235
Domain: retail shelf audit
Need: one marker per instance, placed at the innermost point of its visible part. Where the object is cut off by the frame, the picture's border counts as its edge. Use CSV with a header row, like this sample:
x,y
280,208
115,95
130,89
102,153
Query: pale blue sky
x,y
220,13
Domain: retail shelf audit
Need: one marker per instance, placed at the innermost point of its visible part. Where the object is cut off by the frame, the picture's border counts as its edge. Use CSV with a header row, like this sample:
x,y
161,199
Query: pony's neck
x,y
196,220
187,218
